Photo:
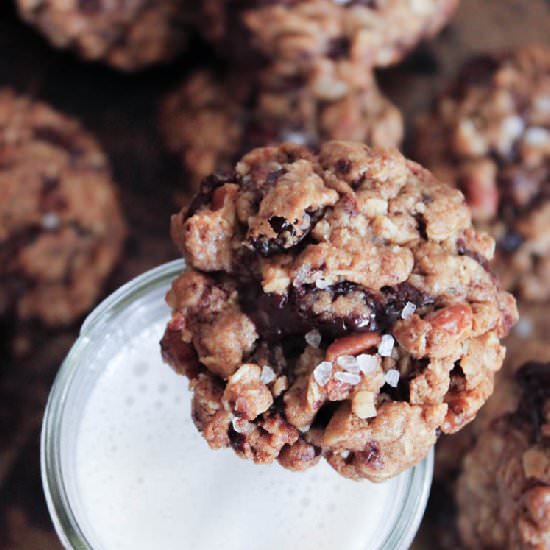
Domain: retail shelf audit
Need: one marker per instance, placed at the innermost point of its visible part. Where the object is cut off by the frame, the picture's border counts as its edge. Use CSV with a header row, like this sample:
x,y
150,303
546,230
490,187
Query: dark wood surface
x,y
120,110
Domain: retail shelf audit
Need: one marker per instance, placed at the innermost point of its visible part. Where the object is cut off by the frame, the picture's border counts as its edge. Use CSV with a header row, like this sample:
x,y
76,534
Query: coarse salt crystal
x,y
524,328
313,338
408,311
348,363
322,283
537,136
241,426
268,374
392,377
50,221
367,363
295,137
543,103
386,345
513,126
348,378
322,373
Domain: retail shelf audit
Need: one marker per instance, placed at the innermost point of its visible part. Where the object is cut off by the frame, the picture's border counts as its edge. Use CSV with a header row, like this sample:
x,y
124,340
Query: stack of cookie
x,y
298,71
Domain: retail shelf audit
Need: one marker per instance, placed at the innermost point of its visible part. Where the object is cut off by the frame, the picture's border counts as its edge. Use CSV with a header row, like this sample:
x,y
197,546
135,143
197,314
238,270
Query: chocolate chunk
x,y
57,138
510,242
208,186
339,47
396,298
90,7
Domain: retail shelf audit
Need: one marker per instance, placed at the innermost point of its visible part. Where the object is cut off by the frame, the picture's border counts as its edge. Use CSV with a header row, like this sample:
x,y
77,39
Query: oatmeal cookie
x,y
61,228
503,492
210,121
527,342
321,41
128,35
340,302
490,136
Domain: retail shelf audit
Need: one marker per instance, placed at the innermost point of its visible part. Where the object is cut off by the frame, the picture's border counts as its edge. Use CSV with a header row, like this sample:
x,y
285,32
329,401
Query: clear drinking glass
x,y
132,308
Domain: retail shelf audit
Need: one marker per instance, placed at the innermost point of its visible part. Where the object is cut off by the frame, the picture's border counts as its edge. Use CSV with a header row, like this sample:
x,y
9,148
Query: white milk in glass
x,y
146,479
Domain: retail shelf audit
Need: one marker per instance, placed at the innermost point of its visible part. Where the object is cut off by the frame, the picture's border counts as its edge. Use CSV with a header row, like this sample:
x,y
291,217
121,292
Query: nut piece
x,y
352,345
363,404
245,394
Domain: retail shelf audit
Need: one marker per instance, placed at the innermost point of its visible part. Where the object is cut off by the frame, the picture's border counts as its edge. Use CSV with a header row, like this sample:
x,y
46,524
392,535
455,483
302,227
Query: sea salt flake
x,y
295,137
392,378
524,328
537,136
542,103
348,378
386,345
241,426
367,363
313,338
348,363
322,373
268,374
513,126
321,283
408,311
50,221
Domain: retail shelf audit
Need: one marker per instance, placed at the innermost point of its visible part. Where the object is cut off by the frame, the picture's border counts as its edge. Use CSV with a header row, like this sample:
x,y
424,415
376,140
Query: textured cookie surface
x,y
503,493
335,304
322,41
490,136
211,122
61,228
127,34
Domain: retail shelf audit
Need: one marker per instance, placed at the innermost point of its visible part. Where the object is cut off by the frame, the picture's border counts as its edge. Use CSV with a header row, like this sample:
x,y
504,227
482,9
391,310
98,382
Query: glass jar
x,y
131,309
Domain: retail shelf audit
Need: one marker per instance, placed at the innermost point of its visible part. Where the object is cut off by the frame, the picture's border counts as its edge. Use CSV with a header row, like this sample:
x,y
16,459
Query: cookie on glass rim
x,y
335,304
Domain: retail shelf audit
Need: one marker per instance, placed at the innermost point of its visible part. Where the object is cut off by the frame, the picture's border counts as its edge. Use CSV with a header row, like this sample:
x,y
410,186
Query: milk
x,y
145,479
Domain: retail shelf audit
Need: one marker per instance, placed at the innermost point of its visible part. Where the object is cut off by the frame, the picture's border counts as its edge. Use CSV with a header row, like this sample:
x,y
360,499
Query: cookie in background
x,y
61,226
489,135
127,35
211,120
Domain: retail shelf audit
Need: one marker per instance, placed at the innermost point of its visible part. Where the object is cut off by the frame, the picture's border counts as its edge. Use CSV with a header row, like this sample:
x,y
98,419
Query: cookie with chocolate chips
x,y
489,135
503,493
211,121
61,228
327,43
335,304
128,35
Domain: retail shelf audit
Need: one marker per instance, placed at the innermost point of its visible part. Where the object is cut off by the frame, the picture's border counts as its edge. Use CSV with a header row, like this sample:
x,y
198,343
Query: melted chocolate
x,y
279,316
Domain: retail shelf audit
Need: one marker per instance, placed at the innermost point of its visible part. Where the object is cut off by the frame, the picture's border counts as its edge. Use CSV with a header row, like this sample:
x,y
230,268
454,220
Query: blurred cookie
x,y
211,121
61,228
323,42
489,134
127,34
503,492
336,303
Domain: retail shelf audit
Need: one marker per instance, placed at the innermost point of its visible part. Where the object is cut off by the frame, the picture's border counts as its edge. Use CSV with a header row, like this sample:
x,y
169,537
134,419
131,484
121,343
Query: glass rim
x,y
61,512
